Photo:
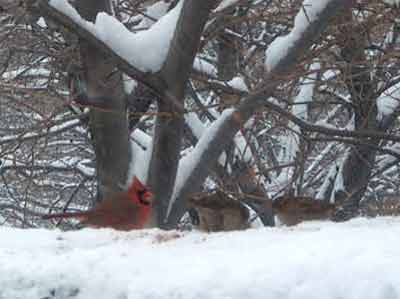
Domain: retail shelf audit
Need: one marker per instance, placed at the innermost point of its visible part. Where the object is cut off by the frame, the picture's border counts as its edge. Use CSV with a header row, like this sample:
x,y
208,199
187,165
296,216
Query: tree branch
x,y
151,80
223,135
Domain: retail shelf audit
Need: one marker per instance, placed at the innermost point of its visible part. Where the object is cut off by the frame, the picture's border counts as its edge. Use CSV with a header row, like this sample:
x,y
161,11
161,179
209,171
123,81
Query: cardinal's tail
x,y
78,215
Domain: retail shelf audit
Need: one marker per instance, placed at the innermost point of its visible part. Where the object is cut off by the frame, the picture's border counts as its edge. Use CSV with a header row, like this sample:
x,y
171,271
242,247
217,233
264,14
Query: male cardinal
x,y
123,211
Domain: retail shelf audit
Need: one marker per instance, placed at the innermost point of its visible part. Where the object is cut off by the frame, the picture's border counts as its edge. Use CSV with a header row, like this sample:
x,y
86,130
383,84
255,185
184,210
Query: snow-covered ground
x,y
357,259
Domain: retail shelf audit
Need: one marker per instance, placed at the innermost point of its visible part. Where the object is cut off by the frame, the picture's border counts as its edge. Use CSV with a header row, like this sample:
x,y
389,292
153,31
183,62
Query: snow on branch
x,y
100,35
388,102
188,164
279,48
327,130
226,4
145,50
67,164
141,146
299,109
392,2
55,129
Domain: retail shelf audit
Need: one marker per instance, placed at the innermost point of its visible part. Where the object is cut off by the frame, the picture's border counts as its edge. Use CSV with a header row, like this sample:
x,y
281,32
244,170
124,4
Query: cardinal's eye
x,y
142,199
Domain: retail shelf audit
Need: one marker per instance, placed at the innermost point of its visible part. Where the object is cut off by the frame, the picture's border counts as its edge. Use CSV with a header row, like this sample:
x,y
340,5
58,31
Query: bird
x,y
126,210
292,210
217,211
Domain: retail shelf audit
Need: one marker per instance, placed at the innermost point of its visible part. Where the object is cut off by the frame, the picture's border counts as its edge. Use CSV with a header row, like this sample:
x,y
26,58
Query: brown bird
x,y
218,212
126,210
292,210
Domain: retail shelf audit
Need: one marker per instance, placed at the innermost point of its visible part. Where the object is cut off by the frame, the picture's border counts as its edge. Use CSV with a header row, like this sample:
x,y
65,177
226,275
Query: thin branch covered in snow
x,y
51,130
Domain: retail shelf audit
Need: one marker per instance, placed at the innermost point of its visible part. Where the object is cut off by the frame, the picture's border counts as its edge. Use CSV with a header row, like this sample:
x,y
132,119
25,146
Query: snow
x,y
323,190
300,110
189,162
330,75
198,128
357,259
225,4
145,50
32,72
30,135
243,149
306,93
308,13
339,180
154,12
129,84
41,22
141,147
238,84
203,66
195,124
392,2
80,165
388,102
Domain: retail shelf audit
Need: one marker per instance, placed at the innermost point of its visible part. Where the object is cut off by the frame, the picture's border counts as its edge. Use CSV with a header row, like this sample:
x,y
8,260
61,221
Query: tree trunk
x,y
109,127
169,125
360,160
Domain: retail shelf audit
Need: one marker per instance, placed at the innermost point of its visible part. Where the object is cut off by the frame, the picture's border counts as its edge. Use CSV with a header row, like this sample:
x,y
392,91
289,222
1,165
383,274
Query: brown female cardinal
x,y
123,211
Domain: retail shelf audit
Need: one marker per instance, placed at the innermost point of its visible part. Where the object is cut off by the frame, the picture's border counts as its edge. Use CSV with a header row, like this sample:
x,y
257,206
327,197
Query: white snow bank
x,y
357,259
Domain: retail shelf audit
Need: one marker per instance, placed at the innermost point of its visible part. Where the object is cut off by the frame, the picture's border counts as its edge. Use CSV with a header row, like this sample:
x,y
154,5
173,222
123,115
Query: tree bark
x,y
169,127
109,128
360,160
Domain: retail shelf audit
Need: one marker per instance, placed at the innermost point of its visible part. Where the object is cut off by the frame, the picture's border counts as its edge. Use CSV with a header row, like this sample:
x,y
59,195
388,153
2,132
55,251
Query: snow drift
x,y
357,259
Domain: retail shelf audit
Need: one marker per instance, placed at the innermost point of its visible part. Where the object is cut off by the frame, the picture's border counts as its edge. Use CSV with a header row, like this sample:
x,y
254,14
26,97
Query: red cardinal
x,y
123,211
